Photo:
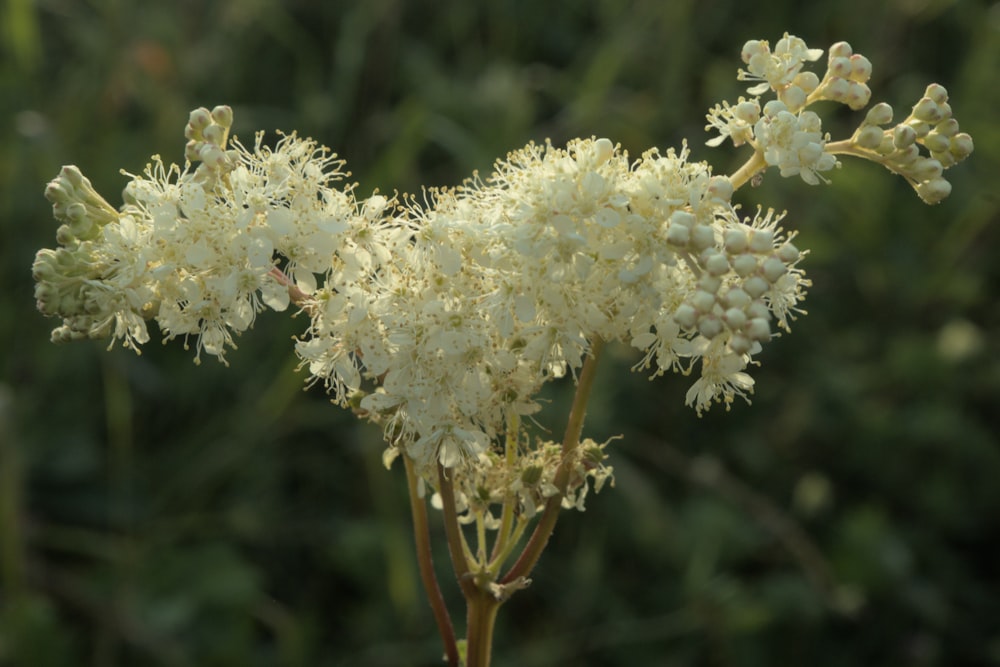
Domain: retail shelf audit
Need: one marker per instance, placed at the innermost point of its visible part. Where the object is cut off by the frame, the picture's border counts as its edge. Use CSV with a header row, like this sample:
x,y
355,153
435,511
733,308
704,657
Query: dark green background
x,y
157,513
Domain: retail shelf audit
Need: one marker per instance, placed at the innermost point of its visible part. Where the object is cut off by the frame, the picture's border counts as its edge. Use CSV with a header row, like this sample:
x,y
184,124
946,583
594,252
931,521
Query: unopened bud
x,y
927,110
869,136
200,119
880,114
861,68
903,136
223,115
937,93
961,146
934,191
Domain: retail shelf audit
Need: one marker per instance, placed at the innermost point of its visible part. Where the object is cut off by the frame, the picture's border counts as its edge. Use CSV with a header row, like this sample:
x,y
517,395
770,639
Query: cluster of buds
x,y
741,283
207,133
788,136
930,124
69,279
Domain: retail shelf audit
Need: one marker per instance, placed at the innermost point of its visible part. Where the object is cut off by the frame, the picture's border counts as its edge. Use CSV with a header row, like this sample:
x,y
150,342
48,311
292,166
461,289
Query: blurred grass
x,y
155,513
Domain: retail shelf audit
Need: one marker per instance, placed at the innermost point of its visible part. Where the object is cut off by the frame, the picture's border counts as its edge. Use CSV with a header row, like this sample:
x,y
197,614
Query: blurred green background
x,y
157,513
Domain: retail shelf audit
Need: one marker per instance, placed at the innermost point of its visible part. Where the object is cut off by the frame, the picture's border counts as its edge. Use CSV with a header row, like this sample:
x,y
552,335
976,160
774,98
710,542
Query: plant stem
x,y
574,427
749,169
425,561
482,616
507,514
456,541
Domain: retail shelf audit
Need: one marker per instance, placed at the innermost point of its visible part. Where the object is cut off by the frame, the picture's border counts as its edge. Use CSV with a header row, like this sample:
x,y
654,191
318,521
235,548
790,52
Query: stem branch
x,y
425,561
456,540
749,169
574,427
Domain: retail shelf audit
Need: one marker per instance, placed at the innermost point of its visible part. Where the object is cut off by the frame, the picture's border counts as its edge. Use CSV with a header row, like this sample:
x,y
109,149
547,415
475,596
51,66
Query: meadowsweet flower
x,y
440,318
193,250
735,122
778,69
793,142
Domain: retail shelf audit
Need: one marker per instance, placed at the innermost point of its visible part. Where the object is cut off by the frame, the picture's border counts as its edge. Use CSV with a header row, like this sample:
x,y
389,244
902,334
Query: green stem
x,y
425,561
482,618
574,427
507,514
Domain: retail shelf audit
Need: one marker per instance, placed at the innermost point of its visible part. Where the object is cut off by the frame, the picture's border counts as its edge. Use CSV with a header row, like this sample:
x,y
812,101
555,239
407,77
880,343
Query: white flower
x,y
778,69
793,142
735,122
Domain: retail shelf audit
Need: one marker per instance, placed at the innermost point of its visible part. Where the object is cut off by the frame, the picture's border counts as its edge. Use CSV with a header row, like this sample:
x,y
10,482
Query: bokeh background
x,y
157,513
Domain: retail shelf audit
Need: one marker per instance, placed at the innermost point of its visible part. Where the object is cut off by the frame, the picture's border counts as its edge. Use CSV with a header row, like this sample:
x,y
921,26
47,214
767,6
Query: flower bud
x,y
720,187
903,136
684,218
761,241
840,67
927,110
926,169
937,93
603,150
710,283
869,136
211,155
934,191
703,301
744,265
200,119
223,115
794,97
880,114
702,236
755,286
737,298
678,235
748,112
215,134
961,146
717,264
758,311
841,50
735,318
736,241
858,95
838,89
686,316
788,253
710,327
191,150
861,68
907,156
948,127
740,344
773,268
807,81
759,330
937,143
752,48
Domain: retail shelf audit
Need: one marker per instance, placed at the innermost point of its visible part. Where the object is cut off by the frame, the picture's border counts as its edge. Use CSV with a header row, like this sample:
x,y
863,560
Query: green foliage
x,y
155,513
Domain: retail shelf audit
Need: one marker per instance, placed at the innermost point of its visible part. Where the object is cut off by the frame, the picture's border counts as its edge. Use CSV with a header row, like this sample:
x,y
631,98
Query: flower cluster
x,y
788,136
193,250
440,318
